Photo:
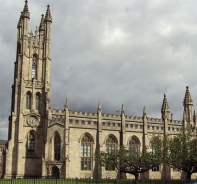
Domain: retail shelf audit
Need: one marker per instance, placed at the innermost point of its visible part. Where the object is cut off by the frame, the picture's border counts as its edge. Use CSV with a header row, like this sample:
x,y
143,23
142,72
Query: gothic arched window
x,y
34,67
57,146
86,153
37,101
111,145
134,145
30,144
28,100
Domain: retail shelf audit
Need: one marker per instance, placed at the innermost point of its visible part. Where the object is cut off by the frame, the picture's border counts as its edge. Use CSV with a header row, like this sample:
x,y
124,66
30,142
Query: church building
x,y
43,141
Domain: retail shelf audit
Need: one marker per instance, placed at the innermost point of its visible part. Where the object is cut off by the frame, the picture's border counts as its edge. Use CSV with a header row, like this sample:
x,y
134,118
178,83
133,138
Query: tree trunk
x,y
136,178
188,177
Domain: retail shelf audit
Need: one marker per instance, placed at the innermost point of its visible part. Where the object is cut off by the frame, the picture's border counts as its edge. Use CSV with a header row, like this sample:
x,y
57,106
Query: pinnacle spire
x,y
99,106
66,103
144,111
165,106
122,111
187,100
26,7
194,116
48,17
41,27
25,12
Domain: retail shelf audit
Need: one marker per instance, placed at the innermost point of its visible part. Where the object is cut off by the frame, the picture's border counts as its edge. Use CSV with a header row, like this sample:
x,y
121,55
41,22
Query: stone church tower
x,y
30,97
43,141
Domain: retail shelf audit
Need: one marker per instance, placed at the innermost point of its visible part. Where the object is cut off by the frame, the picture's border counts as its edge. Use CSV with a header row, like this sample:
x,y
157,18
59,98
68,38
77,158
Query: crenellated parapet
x,y
82,114
113,122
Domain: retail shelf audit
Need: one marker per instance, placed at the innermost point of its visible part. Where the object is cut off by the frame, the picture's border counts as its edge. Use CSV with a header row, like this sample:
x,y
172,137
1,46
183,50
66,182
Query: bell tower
x,y
31,91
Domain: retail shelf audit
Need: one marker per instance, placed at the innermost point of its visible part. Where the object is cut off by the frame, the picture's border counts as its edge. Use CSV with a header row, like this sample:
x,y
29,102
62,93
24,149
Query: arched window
x,y
30,144
57,146
111,145
86,153
34,67
134,145
28,100
37,101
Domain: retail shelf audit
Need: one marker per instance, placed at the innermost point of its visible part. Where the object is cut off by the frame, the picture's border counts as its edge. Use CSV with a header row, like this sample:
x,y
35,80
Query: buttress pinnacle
x,y
41,27
48,17
26,7
25,12
165,106
188,99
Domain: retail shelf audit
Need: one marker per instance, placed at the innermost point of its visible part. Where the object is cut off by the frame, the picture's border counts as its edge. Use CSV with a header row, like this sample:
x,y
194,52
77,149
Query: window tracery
x,y
30,144
86,153
57,146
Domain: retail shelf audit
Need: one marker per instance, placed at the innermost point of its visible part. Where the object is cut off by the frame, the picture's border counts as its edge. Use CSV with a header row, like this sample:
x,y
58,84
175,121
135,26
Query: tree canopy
x,y
181,152
133,161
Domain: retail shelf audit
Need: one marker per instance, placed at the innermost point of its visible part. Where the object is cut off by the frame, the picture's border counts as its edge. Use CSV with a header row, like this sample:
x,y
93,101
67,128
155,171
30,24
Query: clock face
x,y
32,121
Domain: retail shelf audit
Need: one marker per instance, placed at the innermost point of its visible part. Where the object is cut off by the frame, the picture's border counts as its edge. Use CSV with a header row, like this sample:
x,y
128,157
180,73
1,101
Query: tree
x,y
133,162
182,152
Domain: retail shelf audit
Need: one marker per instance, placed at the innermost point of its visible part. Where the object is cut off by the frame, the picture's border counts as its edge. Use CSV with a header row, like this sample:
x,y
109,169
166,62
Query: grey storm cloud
x,y
113,51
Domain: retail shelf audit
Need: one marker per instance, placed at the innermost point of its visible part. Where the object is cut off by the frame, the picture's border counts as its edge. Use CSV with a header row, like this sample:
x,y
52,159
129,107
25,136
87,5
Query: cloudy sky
x,y
117,52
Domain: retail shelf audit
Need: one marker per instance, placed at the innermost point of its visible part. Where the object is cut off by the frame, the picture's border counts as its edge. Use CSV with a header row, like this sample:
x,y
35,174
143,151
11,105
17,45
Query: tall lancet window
x,y
37,101
28,100
57,146
34,67
86,153
30,144
111,145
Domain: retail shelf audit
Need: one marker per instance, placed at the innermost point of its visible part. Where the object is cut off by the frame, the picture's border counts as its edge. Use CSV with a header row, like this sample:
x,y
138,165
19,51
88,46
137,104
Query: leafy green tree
x,y
133,162
182,152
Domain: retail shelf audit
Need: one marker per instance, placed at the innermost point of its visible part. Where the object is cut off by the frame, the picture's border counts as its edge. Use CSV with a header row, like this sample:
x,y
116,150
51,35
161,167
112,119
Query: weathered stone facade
x,y
45,141
3,145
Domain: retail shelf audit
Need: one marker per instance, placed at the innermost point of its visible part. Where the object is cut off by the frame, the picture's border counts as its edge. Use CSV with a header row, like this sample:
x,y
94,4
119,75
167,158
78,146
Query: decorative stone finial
x,y
144,111
99,107
187,100
25,13
25,9
194,116
165,106
66,104
122,111
41,27
48,17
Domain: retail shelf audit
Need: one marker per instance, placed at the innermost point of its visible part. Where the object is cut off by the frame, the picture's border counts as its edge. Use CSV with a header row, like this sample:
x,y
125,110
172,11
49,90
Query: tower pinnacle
x,y
165,110
165,106
144,111
48,17
187,100
41,27
25,12
99,107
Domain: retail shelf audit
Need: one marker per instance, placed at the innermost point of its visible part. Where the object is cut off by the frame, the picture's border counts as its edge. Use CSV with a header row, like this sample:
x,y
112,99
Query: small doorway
x,y
55,172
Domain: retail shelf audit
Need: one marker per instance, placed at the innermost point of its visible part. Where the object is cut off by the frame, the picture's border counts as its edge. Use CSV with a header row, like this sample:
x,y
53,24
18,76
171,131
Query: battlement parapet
x,y
57,111
111,116
135,118
83,122
111,123
83,114
175,122
154,120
